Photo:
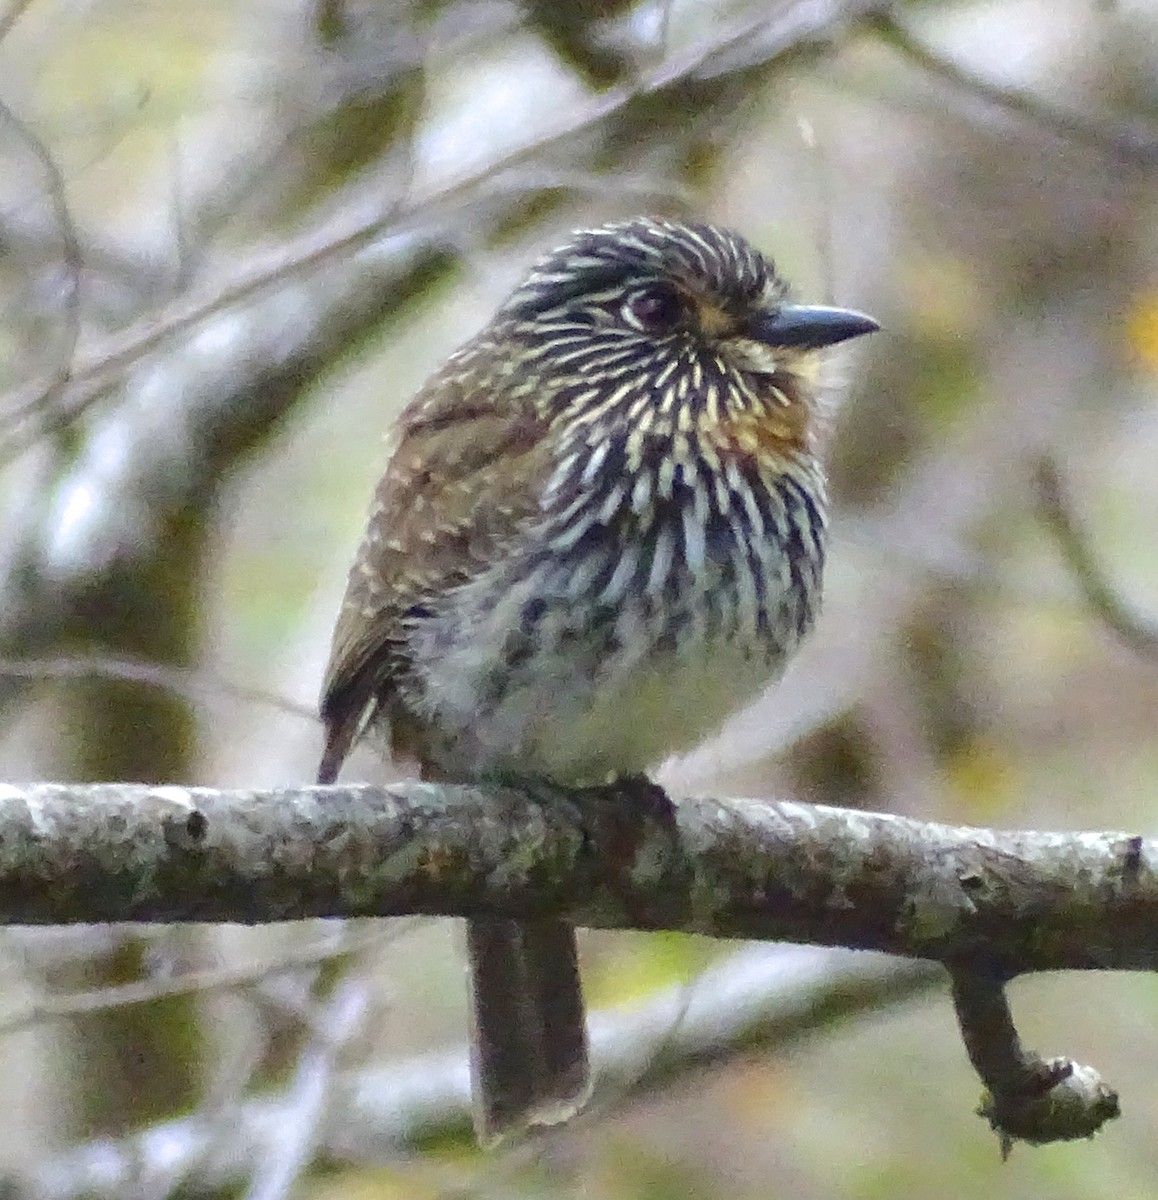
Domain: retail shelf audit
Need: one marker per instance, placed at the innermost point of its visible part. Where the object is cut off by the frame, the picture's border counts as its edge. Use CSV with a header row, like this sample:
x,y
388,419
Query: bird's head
x,y
670,325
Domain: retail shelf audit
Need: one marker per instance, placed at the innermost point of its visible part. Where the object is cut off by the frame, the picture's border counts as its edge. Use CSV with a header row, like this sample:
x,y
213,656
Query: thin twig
x,y
188,983
1028,1098
291,1150
1133,629
752,1002
93,376
12,14
191,683
1137,146
71,254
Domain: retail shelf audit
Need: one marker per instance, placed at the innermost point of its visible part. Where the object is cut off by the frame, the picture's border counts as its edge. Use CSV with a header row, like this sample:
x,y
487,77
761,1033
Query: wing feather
x,y
463,479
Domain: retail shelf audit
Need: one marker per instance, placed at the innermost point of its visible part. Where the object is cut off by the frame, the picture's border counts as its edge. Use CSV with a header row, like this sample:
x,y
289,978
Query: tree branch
x,y
989,905
1017,901
1026,1097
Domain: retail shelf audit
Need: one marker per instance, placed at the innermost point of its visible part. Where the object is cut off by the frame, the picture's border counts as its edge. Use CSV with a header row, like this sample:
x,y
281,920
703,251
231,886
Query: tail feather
x,y
530,1064
529,1055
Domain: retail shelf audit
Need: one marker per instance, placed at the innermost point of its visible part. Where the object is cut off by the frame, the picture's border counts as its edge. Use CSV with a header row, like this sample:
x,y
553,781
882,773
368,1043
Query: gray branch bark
x,y
988,905
607,858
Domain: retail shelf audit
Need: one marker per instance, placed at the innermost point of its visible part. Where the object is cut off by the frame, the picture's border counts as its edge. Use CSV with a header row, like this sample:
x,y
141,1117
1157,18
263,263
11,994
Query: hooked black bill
x,y
809,326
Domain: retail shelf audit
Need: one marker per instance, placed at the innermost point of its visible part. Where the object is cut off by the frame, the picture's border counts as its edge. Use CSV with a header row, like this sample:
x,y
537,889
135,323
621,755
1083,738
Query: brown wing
x,y
464,475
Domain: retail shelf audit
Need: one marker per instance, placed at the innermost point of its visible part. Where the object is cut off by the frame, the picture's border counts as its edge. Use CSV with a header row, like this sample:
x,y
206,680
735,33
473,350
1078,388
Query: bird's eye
x,y
655,309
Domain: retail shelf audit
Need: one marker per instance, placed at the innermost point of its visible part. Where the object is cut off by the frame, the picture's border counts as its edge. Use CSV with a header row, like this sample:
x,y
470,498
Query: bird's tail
x,y
530,1062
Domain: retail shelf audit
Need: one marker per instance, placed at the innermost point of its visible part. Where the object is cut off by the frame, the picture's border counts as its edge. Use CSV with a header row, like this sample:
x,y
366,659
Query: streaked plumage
x,y
601,530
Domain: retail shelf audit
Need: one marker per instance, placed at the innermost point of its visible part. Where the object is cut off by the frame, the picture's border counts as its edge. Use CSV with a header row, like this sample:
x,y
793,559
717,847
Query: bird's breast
x,y
642,609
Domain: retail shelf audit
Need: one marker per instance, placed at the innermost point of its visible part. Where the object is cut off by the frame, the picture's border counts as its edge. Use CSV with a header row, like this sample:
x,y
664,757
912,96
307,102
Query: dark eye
x,y
655,309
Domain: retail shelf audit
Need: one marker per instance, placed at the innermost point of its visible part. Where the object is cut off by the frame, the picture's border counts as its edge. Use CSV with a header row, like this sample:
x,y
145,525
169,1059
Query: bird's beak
x,y
809,326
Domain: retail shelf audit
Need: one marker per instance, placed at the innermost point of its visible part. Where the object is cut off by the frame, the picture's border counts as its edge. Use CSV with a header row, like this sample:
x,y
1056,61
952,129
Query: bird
x,y
600,531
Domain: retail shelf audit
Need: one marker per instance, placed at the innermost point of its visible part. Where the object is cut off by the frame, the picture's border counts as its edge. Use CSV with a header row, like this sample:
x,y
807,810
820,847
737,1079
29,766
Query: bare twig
x,y
146,991
290,1151
1135,145
94,376
186,418
1027,1098
194,684
40,403
1138,632
12,14
761,42
725,1013
752,1002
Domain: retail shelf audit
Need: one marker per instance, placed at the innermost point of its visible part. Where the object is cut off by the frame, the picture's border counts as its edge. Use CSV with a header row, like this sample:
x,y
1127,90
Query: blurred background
x,y
235,237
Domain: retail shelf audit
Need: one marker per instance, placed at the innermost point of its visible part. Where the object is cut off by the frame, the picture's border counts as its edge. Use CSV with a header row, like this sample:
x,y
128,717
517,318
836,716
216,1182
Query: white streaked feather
x,y
572,533
641,492
616,590
662,559
612,503
594,462
695,548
